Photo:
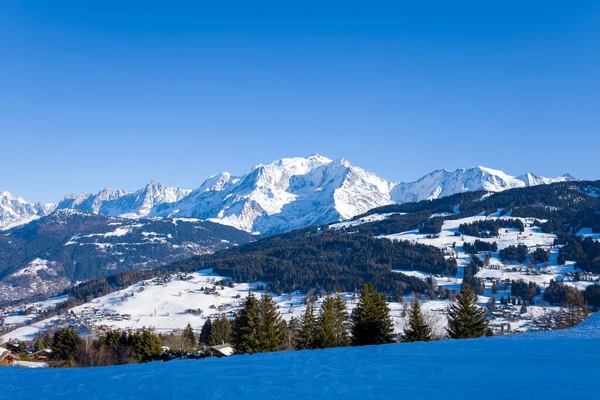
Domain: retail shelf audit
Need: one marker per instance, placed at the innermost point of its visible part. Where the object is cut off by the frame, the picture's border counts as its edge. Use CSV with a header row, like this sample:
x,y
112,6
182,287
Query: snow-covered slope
x,y
69,246
286,194
559,365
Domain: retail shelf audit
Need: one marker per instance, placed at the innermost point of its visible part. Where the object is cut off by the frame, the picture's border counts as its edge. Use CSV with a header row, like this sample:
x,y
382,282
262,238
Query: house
x,y
7,357
221,350
14,345
42,355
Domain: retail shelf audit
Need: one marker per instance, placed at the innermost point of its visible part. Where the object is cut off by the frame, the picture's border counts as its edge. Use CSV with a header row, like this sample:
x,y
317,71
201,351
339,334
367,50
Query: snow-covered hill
x,y
281,196
68,246
558,365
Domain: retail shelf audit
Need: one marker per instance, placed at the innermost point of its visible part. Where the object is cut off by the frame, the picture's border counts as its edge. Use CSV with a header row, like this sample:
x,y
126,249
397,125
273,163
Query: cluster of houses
x,y
90,315
15,353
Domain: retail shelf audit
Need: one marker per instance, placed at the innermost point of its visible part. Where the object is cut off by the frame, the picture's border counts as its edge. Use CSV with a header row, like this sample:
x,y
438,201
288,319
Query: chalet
x,y
14,345
7,357
42,355
222,350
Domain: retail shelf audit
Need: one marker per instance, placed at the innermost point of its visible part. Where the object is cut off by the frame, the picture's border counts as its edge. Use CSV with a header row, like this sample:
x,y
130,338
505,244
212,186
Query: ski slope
x,y
544,365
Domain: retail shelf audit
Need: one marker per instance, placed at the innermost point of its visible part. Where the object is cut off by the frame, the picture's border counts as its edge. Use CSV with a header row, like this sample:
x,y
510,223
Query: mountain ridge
x,y
286,194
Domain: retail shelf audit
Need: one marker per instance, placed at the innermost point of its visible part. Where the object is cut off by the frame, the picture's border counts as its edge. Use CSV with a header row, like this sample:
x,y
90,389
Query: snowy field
x,y
532,237
168,305
543,365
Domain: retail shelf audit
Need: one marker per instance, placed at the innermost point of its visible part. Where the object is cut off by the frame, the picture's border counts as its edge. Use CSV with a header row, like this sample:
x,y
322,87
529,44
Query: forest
x,y
327,259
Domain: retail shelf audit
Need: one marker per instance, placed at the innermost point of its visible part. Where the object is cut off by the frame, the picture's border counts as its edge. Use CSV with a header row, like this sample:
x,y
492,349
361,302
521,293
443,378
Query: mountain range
x,y
286,194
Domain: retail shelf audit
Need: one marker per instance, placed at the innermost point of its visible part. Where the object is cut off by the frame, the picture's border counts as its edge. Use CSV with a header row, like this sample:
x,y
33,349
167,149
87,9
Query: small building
x,y
7,357
221,350
42,355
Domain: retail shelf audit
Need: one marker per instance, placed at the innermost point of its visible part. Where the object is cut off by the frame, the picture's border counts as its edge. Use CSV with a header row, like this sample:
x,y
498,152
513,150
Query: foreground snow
x,y
548,365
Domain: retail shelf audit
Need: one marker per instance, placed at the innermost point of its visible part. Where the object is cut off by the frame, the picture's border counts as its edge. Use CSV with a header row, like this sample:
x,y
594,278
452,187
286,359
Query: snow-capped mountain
x,y
286,194
16,211
442,183
122,203
297,192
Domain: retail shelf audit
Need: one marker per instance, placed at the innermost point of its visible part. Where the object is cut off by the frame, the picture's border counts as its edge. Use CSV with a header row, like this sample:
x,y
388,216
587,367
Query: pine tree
x,y
308,335
371,321
147,346
418,330
47,341
245,327
188,336
205,332
333,323
38,345
65,343
271,328
220,332
465,319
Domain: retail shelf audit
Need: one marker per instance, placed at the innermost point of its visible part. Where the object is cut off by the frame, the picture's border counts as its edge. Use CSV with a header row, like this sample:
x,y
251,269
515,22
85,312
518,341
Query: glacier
x,y
542,365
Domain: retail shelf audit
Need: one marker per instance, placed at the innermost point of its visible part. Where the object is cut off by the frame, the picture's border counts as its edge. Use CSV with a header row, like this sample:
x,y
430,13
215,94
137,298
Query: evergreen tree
x,y
38,345
47,341
205,332
189,339
220,332
308,335
465,319
333,323
146,346
271,328
245,327
371,321
418,330
64,344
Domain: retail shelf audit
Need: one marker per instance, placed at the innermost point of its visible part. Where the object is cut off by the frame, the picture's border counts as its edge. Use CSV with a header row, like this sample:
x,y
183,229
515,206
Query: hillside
x,y
527,247
52,253
546,365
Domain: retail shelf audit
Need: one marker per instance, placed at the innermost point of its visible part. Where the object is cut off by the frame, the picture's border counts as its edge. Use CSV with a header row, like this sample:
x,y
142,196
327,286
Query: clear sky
x,y
116,93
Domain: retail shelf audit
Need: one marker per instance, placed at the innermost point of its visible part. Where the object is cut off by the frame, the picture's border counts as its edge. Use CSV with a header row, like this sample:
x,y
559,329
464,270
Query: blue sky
x,y
116,93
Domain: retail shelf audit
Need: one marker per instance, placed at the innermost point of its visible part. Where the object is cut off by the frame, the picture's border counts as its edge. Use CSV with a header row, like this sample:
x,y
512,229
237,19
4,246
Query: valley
x,y
191,292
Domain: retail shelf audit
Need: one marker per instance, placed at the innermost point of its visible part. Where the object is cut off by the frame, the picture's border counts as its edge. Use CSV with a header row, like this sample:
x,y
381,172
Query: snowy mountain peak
x,y
285,194
444,183
15,211
215,182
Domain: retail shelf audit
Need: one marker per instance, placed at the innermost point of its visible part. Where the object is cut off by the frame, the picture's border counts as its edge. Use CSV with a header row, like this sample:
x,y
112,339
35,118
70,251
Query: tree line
x,y
259,327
